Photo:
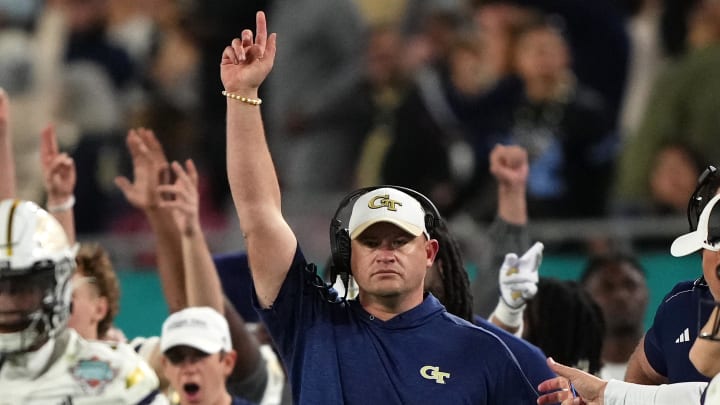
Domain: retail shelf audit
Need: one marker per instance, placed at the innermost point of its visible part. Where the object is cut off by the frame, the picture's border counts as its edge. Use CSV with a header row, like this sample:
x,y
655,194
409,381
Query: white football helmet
x,y
35,255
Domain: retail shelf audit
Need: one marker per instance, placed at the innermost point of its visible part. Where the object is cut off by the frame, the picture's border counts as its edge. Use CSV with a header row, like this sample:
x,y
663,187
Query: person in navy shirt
x,y
662,355
703,352
394,343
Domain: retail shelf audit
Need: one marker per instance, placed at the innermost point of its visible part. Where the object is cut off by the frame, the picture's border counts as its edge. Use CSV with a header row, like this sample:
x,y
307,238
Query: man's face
x,y
711,266
197,377
389,262
541,55
621,292
19,297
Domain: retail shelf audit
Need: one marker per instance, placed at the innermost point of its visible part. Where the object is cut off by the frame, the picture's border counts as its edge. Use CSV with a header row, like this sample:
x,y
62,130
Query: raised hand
x,y
149,167
248,60
59,174
182,197
519,276
509,165
4,114
7,159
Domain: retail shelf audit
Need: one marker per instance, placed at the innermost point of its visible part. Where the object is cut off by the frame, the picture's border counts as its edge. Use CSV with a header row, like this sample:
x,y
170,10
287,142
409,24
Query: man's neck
x,y
617,349
386,308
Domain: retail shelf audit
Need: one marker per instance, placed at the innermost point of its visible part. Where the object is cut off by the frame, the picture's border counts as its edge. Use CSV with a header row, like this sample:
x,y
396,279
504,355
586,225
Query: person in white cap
x,y
661,357
702,349
394,343
198,356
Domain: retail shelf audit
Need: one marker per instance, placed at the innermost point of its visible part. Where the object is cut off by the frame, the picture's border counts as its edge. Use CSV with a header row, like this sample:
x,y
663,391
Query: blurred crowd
x,y
612,99
608,106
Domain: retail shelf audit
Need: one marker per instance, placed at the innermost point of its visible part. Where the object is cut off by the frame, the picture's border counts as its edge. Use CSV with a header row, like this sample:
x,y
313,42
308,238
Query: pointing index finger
x,y
261,31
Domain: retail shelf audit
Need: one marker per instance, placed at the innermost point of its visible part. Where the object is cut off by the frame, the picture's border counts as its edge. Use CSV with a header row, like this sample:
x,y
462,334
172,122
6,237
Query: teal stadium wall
x,y
143,307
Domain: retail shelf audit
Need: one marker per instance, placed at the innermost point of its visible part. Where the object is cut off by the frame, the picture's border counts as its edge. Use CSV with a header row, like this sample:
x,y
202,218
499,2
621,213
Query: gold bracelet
x,y
247,100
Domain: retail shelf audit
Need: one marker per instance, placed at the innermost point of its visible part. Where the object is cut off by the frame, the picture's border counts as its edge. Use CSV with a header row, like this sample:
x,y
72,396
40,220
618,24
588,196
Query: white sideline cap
x,y
707,234
387,205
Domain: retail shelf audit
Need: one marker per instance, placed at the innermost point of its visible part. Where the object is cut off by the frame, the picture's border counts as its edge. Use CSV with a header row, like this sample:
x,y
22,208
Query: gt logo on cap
x,y
383,201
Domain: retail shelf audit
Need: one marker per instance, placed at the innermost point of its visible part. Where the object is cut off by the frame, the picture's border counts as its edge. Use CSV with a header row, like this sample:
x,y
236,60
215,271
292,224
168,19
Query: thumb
x,y
123,184
562,370
509,266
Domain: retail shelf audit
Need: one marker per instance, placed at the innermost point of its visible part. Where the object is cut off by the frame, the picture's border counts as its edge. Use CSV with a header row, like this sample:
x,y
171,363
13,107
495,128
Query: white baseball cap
x,y
707,234
387,204
202,328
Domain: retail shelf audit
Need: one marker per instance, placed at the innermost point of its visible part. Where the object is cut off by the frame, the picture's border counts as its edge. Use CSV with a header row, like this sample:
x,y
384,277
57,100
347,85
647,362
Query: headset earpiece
x,y
340,255
705,190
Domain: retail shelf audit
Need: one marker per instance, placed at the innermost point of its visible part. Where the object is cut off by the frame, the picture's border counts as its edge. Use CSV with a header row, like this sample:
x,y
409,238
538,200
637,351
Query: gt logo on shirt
x,y
434,373
384,201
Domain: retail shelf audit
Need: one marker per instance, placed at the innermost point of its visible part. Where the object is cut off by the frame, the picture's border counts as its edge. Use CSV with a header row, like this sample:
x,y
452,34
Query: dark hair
x,y
93,261
458,297
540,21
566,323
599,262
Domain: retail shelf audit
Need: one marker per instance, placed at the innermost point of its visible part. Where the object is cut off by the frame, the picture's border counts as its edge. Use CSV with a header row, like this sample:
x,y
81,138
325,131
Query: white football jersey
x,y
71,370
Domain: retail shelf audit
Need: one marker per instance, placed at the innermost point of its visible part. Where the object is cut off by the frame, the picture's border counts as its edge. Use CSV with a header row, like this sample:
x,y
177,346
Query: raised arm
x,y
202,284
59,178
150,166
7,161
508,232
270,242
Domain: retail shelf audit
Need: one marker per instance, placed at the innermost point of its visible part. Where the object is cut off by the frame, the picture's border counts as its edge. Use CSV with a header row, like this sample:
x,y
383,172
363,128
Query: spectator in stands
x,y
563,124
616,282
682,109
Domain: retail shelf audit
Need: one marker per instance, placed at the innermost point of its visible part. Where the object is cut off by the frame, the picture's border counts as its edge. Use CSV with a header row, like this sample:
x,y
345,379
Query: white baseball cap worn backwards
x,y
202,328
387,205
707,234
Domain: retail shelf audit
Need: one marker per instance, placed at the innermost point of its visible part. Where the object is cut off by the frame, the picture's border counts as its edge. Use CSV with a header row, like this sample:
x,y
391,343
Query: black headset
x,y
340,236
708,183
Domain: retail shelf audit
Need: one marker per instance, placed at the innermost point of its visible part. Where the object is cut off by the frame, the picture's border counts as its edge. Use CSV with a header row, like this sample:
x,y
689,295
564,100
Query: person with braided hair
x,y
448,280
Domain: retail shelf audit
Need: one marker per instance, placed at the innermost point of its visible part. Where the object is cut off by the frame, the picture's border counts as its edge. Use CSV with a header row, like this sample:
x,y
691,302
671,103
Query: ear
x,y
431,249
228,362
101,307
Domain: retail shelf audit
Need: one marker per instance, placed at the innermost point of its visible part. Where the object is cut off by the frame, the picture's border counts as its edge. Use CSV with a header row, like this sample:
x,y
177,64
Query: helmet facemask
x,y
36,265
39,306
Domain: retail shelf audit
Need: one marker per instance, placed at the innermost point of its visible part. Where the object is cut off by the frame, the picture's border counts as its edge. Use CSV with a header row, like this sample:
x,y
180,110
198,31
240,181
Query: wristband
x,y
512,317
65,206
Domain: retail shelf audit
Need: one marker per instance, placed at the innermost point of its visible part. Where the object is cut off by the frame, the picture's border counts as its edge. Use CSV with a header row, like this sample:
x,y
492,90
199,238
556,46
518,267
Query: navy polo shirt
x,y
674,329
338,353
